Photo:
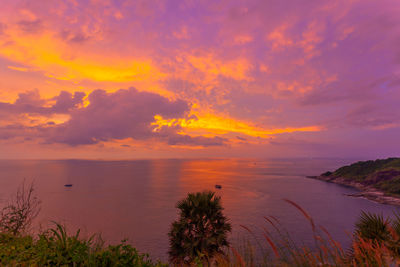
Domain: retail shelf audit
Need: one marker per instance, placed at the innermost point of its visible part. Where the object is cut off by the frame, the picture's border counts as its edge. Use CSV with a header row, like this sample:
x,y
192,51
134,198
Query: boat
x,y
218,186
68,185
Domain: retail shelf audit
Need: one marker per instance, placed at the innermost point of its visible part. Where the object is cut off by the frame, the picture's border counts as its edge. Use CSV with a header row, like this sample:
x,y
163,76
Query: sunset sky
x,y
122,79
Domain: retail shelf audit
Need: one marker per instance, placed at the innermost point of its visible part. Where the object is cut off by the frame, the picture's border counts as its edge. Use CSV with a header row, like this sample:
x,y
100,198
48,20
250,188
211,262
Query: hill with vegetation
x,y
382,174
378,180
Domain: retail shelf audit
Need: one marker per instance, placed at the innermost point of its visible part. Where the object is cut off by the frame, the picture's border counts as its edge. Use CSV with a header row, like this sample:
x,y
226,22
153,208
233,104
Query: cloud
x,y
250,69
30,102
196,140
65,101
379,115
2,28
119,115
77,37
124,114
30,98
18,131
30,26
55,57
279,39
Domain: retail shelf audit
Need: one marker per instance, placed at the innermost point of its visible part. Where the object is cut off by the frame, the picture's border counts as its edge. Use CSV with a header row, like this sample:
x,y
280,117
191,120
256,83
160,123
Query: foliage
x,y
328,173
201,231
56,248
19,213
383,232
373,226
391,186
383,174
361,170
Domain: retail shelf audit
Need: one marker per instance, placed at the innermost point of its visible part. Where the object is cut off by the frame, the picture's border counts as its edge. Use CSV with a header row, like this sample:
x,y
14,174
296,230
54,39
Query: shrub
x,y
55,247
19,213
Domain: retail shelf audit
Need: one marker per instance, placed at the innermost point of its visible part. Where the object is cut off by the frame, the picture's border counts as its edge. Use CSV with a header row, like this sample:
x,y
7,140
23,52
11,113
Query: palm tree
x,y
373,226
379,230
201,230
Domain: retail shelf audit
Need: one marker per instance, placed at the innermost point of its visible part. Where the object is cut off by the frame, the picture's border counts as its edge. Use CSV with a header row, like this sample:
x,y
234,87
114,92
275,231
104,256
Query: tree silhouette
x,y
201,230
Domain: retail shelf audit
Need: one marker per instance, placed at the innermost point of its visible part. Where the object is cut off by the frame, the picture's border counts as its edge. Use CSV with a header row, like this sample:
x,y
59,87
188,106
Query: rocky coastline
x,y
366,191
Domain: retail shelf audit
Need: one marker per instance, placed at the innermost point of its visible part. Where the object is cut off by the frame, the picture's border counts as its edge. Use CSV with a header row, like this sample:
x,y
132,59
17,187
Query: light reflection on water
x,y
136,199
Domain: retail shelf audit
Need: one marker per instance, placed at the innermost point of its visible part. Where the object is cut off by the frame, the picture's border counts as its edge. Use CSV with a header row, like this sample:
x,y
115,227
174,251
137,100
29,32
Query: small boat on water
x,y
68,185
218,186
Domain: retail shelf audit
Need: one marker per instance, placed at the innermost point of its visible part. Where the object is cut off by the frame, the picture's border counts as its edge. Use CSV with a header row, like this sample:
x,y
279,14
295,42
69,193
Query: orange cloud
x,y
212,67
279,38
56,59
18,68
211,123
312,36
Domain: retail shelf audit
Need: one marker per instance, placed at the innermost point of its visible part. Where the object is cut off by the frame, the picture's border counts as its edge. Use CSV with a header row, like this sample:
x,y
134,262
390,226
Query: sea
x,y
135,199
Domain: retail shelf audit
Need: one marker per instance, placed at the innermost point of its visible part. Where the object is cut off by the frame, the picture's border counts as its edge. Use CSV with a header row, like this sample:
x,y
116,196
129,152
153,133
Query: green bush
x,y
56,248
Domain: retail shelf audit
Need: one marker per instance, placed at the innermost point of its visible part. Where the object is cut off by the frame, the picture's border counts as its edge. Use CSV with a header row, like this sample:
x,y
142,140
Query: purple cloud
x,y
65,101
31,103
125,114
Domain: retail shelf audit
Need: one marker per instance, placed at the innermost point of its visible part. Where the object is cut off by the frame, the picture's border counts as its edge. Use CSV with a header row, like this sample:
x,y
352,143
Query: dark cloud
x,y
123,114
196,140
65,101
241,138
126,113
31,103
30,98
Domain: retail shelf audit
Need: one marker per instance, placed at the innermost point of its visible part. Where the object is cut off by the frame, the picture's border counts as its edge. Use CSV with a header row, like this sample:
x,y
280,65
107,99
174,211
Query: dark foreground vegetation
x,y
55,247
199,237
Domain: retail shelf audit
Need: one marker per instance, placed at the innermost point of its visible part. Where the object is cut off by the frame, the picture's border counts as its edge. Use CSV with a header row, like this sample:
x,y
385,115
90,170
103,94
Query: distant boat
x,y
218,186
68,185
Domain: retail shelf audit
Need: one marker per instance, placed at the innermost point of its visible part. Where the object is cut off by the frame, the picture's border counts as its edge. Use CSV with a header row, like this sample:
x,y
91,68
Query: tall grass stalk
x,y
279,249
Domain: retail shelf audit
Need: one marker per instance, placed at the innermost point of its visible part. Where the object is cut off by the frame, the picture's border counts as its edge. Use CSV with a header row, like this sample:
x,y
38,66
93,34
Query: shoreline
x,y
368,192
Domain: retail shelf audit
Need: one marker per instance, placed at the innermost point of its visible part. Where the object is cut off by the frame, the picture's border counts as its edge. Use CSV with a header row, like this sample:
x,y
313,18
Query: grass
x,y
278,249
55,247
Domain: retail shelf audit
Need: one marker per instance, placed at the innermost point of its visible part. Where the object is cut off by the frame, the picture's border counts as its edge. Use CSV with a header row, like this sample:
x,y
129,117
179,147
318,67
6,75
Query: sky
x,y
124,79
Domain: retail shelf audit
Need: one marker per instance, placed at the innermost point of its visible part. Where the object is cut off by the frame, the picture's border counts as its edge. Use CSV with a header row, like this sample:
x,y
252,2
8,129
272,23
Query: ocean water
x,y
136,199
